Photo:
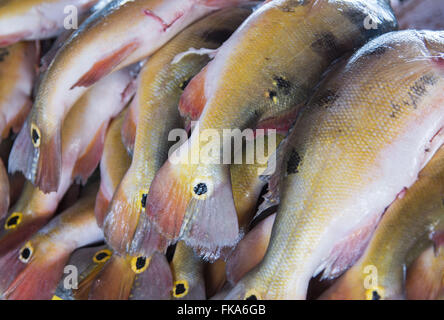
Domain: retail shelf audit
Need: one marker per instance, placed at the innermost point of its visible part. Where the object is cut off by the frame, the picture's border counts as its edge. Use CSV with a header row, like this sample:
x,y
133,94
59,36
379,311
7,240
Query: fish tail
x,y
4,191
192,101
155,282
197,209
123,214
129,126
147,240
38,158
39,278
115,280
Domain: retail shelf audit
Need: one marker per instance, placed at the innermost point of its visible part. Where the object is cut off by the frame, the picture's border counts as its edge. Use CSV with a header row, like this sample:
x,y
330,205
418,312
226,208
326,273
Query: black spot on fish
x,y
35,136
12,221
217,35
180,289
144,200
3,53
101,255
272,95
200,189
282,84
375,295
396,110
252,297
140,262
326,44
293,162
327,98
26,253
184,84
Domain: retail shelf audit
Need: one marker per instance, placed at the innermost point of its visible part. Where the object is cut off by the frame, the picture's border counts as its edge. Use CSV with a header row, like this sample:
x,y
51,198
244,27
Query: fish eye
x,y
252,295
201,188
375,293
26,253
181,288
14,220
35,135
139,264
102,256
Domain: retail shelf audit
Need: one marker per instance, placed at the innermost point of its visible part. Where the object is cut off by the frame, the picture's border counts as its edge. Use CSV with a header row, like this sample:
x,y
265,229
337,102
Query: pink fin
x,y
106,65
348,250
250,251
147,240
39,279
155,283
40,165
101,207
88,162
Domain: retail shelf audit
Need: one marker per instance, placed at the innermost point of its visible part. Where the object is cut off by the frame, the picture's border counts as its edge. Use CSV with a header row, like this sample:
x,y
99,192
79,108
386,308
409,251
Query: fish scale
x,y
345,181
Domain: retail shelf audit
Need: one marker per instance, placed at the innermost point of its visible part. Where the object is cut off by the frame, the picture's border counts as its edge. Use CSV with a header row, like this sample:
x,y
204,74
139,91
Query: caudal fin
x,y
198,210
114,281
39,158
155,283
39,272
123,214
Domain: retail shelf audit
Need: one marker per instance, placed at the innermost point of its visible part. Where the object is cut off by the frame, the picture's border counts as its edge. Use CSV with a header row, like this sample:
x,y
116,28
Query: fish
x,y
113,166
424,280
32,271
342,148
134,278
419,14
36,19
266,69
187,269
87,263
87,56
83,139
250,250
407,226
160,85
4,191
18,65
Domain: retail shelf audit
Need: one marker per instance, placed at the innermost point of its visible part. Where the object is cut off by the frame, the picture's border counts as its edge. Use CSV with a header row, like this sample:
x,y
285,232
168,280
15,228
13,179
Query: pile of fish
x,y
101,199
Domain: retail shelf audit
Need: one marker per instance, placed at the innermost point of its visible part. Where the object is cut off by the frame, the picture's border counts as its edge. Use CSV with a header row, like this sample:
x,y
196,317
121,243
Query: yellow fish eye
x,y
35,135
252,295
26,252
375,293
140,264
202,188
181,288
13,220
102,256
